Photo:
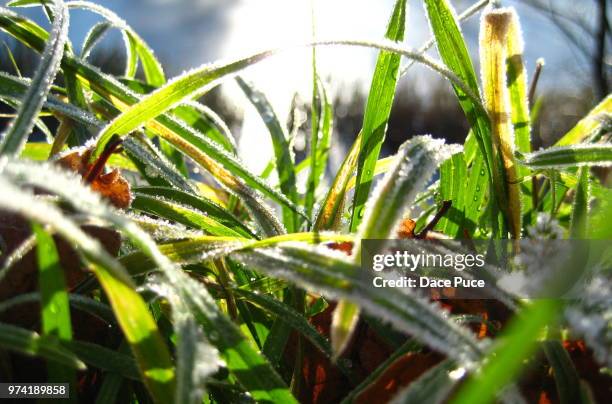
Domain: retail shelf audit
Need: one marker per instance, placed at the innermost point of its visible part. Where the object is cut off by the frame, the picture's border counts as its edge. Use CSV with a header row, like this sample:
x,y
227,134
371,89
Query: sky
x,y
188,33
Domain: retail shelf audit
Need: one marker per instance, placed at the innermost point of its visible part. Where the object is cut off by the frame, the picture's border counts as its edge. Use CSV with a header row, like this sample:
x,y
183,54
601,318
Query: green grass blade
x,y
414,165
322,128
580,208
475,195
378,109
519,104
508,355
173,211
55,310
153,71
569,156
330,273
566,377
282,152
453,173
103,358
15,137
14,89
93,36
188,86
330,214
153,165
587,125
131,311
30,343
199,203
54,299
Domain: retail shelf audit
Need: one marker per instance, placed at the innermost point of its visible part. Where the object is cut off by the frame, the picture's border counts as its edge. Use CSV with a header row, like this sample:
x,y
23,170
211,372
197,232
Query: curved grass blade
x,y
136,46
153,165
199,203
378,109
15,137
568,156
15,88
132,314
173,211
331,274
93,36
587,125
30,343
282,152
246,364
414,165
188,86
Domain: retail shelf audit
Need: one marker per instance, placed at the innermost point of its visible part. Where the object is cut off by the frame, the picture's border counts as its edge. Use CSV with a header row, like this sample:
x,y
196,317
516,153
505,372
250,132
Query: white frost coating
x,y
339,279
162,229
15,136
553,157
413,167
592,318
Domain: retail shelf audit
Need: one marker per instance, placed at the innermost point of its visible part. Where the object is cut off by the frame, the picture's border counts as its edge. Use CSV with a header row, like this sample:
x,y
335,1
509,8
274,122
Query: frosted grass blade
x,y
596,154
330,214
132,314
153,165
587,125
210,208
282,152
30,343
494,29
377,111
16,135
580,208
333,275
519,104
93,36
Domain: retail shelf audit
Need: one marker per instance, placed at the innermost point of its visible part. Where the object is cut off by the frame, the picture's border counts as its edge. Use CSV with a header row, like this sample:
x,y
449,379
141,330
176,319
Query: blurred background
x,y
572,36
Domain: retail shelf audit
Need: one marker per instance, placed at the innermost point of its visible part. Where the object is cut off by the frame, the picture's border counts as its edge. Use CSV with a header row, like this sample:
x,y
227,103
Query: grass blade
x,y
569,156
580,208
30,343
452,188
332,207
587,125
321,270
199,203
493,57
378,108
414,165
15,137
511,349
55,310
282,152
132,314
519,104
93,36
566,378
